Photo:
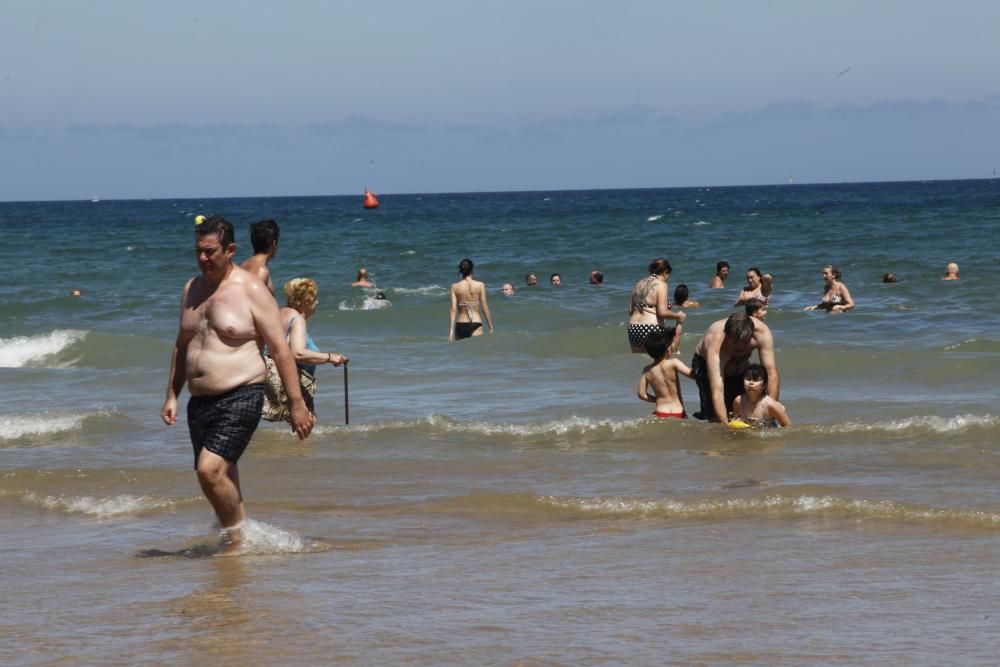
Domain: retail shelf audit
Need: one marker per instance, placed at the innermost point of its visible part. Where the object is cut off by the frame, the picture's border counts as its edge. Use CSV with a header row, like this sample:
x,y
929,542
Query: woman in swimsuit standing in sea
x,y
758,287
836,296
468,296
649,306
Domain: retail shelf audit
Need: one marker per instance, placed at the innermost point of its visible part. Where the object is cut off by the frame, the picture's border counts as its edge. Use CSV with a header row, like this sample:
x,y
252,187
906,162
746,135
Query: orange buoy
x,y
370,201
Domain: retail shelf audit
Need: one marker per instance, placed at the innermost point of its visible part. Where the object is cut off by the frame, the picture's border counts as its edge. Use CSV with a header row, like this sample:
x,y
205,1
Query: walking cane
x,y
347,413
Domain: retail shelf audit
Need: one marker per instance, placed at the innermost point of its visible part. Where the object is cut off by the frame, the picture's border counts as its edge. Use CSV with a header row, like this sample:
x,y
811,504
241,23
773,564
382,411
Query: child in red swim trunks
x,y
662,377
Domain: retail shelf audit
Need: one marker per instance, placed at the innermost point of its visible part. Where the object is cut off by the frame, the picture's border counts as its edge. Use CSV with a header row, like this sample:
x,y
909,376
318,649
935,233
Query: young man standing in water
x,y
225,311
721,358
718,281
264,238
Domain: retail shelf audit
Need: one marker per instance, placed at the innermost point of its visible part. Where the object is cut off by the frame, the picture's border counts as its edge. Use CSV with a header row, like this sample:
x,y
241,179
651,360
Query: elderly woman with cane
x,y
301,295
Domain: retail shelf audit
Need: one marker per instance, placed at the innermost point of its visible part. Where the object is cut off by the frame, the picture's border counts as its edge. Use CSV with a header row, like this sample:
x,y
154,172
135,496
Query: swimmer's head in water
x,y
657,343
722,269
739,328
362,274
555,279
660,266
530,279
264,235
833,270
681,294
753,276
952,269
596,278
465,267
507,289
888,277
301,293
380,296
216,224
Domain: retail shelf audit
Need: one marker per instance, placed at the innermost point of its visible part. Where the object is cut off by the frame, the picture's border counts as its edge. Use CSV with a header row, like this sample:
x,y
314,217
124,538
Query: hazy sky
x,y
133,98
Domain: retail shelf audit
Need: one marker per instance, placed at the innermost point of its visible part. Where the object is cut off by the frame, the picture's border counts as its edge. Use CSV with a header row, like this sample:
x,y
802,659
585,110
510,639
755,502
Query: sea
x,y
507,499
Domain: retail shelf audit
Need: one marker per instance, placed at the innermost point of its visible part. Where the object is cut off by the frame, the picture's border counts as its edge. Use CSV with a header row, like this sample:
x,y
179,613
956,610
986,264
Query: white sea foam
x,y
654,218
102,508
432,290
701,223
22,351
408,252
805,505
263,538
13,427
931,423
570,425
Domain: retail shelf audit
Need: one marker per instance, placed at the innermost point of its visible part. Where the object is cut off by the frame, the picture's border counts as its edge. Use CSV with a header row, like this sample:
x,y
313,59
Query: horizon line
x,y
479,192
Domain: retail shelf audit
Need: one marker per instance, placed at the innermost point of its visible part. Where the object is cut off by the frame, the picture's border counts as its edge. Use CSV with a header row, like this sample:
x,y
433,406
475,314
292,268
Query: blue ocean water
x,y
519,460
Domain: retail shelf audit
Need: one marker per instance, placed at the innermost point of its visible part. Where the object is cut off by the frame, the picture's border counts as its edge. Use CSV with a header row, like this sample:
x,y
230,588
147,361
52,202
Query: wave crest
x,y
40,350
772,505
927,423
102,508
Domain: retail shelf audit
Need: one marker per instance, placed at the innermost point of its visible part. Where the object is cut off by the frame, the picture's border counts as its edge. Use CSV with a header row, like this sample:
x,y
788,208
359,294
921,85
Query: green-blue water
x,y
498,493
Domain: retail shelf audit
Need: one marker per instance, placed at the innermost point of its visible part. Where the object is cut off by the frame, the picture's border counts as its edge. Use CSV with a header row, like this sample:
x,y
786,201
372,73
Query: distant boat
x,y
370,201
94,198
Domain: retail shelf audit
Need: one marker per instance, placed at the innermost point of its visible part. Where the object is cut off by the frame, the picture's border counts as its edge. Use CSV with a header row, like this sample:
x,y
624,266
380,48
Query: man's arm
x,y
178,369
178,376
712,346
765,350
715,384
268,324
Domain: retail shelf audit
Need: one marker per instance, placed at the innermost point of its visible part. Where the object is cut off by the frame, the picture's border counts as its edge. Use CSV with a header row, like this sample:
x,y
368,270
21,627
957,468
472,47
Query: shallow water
x,y
505,500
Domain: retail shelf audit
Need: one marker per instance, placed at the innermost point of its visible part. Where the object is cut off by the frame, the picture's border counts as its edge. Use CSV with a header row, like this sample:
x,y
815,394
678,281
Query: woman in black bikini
x,y
649,305
467,297
836,296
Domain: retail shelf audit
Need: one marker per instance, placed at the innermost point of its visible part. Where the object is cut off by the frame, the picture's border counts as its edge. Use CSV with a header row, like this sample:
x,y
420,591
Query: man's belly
x,y
211,372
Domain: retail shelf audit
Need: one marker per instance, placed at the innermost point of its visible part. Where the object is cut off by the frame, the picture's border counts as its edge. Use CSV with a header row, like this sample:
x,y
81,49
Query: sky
x,y
212,98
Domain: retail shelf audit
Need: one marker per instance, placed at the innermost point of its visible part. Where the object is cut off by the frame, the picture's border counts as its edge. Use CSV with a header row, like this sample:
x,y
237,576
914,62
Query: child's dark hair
x,y
756,372
658,342
681,294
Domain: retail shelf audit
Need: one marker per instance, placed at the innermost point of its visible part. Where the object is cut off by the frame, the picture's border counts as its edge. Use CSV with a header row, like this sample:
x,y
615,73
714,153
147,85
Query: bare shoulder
x,y
254,287
760,327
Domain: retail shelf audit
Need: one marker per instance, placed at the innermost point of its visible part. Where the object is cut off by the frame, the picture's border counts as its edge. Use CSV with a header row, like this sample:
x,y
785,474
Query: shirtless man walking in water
x,y
224,312
721,358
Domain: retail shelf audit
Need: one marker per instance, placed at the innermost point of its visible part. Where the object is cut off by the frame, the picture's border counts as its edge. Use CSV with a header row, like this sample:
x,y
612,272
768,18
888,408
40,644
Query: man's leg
x,y
220,482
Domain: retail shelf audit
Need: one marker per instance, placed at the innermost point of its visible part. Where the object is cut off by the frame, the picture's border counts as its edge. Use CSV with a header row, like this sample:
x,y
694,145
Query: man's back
x,y
257,265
